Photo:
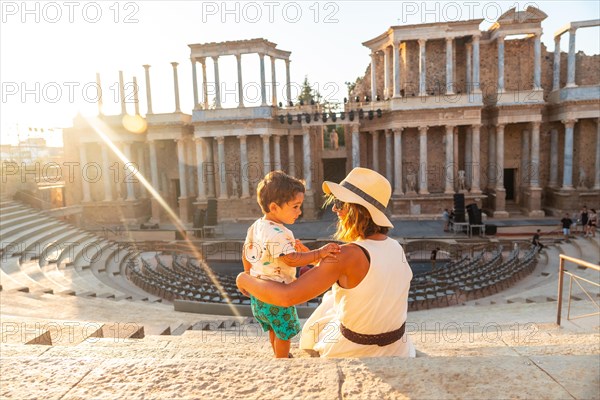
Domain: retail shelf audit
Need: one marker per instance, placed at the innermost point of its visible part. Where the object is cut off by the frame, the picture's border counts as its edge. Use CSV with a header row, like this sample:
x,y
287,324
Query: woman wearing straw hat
x,y
364,314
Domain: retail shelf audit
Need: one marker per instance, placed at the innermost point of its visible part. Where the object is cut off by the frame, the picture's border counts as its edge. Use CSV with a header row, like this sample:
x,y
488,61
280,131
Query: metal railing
x,y
577,278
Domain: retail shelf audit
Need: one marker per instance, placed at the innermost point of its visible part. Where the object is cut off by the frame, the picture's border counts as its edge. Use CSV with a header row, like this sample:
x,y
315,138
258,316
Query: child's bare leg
x,y
282,348
272,340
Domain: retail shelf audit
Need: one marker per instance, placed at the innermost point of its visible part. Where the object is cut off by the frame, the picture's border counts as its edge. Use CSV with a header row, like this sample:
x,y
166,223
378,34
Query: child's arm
x,y
300,259
245,262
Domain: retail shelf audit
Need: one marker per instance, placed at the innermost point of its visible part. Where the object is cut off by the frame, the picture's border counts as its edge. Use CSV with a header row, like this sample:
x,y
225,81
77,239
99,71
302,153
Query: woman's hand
x,y
329,250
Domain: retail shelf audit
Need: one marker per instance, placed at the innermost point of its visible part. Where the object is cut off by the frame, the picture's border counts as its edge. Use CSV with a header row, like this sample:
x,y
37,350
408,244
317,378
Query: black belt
x,y
381,339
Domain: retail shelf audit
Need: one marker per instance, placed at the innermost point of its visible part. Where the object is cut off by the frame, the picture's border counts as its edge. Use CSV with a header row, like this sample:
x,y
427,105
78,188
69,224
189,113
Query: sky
x,y
50,51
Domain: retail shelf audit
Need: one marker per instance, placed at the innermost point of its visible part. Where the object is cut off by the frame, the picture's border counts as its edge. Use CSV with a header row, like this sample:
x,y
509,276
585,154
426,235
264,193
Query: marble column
x,y
476,161
238,57
556,70
568,155
355,146
306,150
266,154
141,159
204,83
422,67
597,176
535,155
277,151
176,86
245,167
468,156
449,169
500,157
136,100
99,86
375,141
182,168
85,184
273,83
189,162
200,169
500,42
122,93
373,76
469,68
456,145
476,65
222,175
388,155
386,73
129,178
217,82
423,160
154,166
396,50
213,169
291,155
449,66
108,194
571,62
525,165
492,170
263,81
553,158
148,91
288,84
398,161
194,81
537,63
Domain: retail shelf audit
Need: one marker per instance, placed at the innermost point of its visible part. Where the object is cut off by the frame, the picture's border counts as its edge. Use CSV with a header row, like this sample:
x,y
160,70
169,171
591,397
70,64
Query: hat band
x,y
365,196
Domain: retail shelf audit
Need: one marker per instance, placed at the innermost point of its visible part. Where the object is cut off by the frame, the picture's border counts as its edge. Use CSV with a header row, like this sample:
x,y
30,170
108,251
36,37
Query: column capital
x,y
536,125
397,130
569,123
476,126
174,64
388,132
423,129
572,31
215,58
500,37
500,127
220,139
449,40
557,39
422,42
242,138
238,56
265,136
449,129
202,60
146,66
198,140
476,38
261,54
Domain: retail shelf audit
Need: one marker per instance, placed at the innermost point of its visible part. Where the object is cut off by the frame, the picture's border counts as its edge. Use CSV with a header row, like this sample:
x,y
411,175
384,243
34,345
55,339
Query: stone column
x,y
136,100
176,86
597,177
469,68
194,81
189,163
244,162
213,167
373,76
375,141
154,166
200,169
277,151
182,168
525,165
122,93
217,82
500,42
476,65
307,159
468,155
500,157
223,177
535,155
108,195
449,66
398,161
571,60
556,71
85,184
388,155
291,155
386,74
129,178
422,67
238,57
396,50
423,160
492,170
449,169
568,157
204,83
355,146
553,158
263,82
537,63
148,92
288,84
273,82
266,154
476,161
99,86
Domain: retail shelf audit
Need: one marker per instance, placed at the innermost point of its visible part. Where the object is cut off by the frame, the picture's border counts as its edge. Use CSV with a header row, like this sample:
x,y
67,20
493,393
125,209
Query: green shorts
x,y
283,321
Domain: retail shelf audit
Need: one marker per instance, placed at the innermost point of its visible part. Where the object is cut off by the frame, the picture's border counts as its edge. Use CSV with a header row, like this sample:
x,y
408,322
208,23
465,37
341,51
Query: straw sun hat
x,y
367,188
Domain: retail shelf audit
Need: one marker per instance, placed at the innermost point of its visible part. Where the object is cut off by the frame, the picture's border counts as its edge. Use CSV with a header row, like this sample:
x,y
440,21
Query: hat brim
x,y
348,196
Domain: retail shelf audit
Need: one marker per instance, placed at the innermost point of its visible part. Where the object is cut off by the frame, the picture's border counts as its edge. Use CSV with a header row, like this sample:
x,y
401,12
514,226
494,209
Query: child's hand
x,y
300,247
329,250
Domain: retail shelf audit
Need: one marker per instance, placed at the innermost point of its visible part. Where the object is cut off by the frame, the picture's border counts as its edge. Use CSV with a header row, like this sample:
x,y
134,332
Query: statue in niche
x,y
462,187
582,176
333,140
234,187
411,183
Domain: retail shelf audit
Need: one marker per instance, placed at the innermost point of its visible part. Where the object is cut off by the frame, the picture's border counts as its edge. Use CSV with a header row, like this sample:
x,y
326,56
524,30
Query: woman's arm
x,y
308,286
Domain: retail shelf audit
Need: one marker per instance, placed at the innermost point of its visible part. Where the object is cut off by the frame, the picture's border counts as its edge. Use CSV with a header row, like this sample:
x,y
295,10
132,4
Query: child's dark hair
x,y
277,187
